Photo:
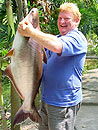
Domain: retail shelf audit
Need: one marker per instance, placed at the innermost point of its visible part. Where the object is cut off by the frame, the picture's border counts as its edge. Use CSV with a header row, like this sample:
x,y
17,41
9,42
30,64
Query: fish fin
x,y
34,115
7,72
21,116
44,56
9,54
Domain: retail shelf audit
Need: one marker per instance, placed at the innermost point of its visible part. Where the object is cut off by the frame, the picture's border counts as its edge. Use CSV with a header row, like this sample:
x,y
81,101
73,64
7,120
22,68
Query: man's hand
x,y
25,28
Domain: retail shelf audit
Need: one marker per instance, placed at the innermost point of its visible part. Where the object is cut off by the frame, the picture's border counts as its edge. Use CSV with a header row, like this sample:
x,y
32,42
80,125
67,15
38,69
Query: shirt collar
x,y
76,29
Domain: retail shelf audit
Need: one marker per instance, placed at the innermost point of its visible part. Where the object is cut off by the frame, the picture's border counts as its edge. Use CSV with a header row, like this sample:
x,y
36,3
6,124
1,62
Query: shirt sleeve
x,y
73,44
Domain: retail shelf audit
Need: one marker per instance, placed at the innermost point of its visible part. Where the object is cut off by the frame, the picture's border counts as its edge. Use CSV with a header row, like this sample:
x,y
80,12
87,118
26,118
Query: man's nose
x,y
62,20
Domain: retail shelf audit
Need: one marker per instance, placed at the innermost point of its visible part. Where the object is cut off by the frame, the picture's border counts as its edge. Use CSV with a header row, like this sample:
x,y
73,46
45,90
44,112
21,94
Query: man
x,y
61,82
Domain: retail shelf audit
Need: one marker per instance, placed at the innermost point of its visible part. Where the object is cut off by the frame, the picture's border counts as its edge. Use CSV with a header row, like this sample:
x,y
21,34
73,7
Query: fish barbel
x,y
25,70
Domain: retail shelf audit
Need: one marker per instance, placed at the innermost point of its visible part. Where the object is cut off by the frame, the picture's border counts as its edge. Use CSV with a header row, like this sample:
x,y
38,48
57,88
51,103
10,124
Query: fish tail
x,y
22,116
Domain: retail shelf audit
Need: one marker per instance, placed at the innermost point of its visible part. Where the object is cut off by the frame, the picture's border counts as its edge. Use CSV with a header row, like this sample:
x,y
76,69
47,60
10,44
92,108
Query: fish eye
x,y
32,11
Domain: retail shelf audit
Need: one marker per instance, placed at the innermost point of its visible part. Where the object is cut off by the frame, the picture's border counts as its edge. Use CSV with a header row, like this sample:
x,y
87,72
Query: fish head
x,y
33,17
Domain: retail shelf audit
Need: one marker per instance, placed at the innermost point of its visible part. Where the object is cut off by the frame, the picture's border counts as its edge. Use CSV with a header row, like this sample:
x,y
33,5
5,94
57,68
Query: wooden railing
x,y
91,57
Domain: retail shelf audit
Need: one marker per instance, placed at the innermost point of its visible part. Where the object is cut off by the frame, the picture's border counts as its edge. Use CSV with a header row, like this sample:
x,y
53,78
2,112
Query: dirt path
x,y
29,125
90,87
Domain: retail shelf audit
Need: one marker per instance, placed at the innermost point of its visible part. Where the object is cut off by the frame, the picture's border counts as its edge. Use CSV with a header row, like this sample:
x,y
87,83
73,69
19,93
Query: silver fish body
x,y
25,71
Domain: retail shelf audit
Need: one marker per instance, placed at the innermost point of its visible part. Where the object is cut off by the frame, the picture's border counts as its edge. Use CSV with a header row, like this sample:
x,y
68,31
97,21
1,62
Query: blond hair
x,y
71,8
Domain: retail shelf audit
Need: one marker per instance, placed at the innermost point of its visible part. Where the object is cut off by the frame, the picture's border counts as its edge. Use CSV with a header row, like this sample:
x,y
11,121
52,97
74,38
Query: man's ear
x,y
77,21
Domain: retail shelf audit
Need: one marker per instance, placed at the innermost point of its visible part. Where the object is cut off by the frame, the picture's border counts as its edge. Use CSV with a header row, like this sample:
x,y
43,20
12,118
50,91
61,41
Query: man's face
x,y
66,22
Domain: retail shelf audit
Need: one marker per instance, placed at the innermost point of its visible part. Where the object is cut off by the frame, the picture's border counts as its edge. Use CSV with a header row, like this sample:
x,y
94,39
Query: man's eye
x,y
60,18
66,18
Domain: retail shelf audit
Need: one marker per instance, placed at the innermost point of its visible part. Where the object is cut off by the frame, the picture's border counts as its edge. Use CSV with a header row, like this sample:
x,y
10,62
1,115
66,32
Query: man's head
x,y
69,18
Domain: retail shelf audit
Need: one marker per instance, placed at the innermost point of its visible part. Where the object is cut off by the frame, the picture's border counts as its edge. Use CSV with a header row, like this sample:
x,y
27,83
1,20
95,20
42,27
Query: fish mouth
x,y
34,17
35,23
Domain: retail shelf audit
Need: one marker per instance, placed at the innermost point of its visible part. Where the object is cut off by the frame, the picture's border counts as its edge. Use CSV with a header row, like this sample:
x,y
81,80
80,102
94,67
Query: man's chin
x,y
63,33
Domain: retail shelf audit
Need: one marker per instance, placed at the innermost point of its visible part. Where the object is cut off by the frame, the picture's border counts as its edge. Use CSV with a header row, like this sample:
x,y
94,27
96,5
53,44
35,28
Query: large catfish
x,y
25,70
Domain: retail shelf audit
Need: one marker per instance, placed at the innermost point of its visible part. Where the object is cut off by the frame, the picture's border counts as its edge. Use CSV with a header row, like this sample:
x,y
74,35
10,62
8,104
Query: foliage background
x,y
48,24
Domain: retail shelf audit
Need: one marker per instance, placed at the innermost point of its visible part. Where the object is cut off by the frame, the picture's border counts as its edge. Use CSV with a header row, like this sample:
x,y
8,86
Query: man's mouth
x,y
63,26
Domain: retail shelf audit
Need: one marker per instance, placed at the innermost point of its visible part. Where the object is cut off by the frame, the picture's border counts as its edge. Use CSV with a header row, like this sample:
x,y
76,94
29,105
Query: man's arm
x,y
49,41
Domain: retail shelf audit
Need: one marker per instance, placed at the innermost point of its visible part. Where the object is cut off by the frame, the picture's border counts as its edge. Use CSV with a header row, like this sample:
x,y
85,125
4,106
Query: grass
x,y
6,91
6,98
90,64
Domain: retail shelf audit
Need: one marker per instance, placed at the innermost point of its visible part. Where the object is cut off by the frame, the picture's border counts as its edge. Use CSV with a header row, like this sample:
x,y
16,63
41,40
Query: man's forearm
x,y
49,41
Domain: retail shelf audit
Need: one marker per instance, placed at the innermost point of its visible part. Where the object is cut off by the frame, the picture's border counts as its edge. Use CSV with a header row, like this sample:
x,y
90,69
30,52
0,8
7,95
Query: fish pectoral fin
x,y
44,56
7,72
21,116
9,54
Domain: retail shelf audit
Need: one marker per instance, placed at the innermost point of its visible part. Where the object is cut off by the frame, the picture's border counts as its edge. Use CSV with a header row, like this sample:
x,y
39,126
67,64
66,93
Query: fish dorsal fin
x,y
9,54
44,56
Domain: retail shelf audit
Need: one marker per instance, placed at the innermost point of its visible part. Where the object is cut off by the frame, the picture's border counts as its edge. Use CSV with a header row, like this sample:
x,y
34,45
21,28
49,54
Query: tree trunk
x,y
22,9
25,8
20,15
15,104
